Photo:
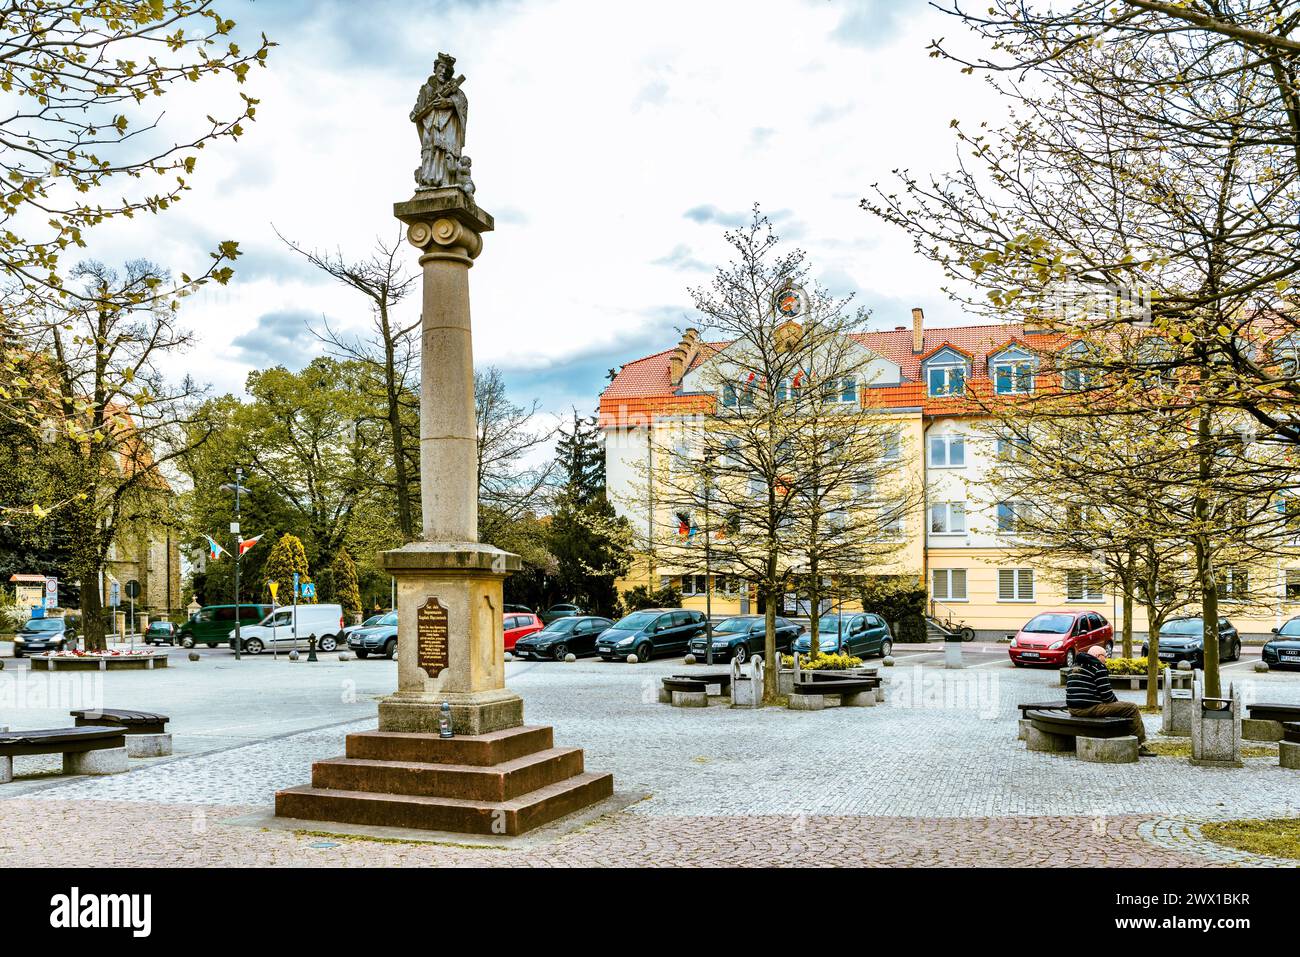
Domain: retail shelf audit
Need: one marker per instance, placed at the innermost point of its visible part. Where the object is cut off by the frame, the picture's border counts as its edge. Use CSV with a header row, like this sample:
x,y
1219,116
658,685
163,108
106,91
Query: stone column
x,y
448,583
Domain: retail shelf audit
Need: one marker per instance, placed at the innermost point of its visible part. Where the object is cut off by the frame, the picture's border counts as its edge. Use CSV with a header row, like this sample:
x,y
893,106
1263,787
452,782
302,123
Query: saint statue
x,y
439,117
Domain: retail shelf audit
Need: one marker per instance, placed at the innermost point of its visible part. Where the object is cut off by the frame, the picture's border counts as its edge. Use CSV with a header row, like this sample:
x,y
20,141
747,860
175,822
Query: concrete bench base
x,y
1258,729
690,699
6,770
1289,755
148,745
665,696
863,699
1107,750
1036,740
806,702
1025,726
880,695
101,761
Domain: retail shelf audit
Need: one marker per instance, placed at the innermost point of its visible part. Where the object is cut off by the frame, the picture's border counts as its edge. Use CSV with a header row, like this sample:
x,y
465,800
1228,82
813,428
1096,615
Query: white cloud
x,y
613,143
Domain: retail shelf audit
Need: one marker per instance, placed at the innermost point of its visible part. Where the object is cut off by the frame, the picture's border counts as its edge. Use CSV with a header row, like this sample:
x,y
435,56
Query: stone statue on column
x,y
439,116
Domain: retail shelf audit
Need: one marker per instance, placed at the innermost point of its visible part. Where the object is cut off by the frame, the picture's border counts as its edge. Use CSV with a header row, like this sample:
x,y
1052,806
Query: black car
x,y
564,635
1183,639
850,633
743,635
39,635
1283,649
650,632
161,632
377,639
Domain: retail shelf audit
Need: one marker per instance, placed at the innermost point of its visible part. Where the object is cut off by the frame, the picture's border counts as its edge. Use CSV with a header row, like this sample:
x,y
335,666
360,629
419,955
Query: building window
x,y
1015,584
1009,517
1082,585
891,520
837,520
1013,449
946,379
848,389
731,452
947,451
729,396
949,584
948,518
1293,584
1013,378
694,585
865,489
891,449
1234,582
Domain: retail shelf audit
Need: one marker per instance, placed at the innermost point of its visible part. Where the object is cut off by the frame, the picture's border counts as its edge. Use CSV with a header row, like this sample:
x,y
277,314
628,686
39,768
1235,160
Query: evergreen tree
x,y
288,556
346,591
589,541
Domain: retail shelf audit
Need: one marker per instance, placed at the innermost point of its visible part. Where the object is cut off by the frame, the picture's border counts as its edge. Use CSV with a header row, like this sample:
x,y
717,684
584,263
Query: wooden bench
x,y
810,693
90,749
1264,720
692,691
1100,740
1035,706
146,732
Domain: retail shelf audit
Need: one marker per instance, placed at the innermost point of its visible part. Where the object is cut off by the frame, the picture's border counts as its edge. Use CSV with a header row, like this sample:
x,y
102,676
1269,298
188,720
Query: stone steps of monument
x,y
500,782
481,750
422,812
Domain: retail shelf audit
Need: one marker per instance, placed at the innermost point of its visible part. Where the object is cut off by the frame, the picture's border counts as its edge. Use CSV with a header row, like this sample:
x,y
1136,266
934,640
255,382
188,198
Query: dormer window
x,y
1013,377
946,378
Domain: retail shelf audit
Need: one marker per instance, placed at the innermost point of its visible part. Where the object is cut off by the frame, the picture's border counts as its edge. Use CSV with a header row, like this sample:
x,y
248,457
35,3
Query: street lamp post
x,y
237,488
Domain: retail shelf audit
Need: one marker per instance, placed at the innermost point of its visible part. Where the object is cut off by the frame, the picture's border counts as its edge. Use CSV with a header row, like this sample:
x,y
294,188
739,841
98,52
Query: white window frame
x,y
1014,510
1020,372
1083,585
892,528
947,368
950,577
949,510
1228,587
947,442
1291,579
1017,577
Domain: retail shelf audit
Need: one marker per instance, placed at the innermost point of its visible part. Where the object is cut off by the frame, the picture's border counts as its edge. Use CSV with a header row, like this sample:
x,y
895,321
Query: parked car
x,y
161,633
853,633
560,611
277,629
1283,649
517,609
562,636
377,639
649,632
743,635
212,625
1056,637
1183,639
368,623
39,635
519,626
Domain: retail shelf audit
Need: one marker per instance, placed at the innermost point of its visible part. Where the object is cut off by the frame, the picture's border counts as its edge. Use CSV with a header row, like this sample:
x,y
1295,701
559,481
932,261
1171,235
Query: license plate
x,y
1166,654
1289,655
1028,654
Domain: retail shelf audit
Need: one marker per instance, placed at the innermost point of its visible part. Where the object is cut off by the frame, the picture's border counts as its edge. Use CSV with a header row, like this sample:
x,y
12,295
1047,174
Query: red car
x,y
1055,637
520,626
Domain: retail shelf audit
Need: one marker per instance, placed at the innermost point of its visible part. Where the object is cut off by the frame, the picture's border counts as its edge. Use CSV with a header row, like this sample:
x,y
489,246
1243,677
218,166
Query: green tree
x,y
346,592
287,557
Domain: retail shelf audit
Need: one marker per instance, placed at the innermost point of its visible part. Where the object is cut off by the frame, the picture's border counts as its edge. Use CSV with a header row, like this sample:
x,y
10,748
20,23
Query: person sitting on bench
x,y
1088,694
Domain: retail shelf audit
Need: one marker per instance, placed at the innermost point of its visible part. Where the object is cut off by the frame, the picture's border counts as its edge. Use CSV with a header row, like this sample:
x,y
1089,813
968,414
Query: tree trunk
x,y
92,613
1209,619
1153,656
1127,625
770,663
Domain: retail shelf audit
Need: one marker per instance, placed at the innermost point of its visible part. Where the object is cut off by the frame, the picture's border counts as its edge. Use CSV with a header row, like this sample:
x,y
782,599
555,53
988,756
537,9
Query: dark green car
x,y
212,625
649,632
852,633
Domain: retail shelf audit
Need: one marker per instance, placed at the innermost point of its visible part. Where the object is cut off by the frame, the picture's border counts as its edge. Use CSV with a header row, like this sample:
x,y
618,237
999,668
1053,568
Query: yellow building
x,y
960,544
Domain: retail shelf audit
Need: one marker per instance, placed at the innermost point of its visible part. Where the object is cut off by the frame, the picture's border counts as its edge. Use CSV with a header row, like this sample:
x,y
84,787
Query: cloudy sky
x,y
612,142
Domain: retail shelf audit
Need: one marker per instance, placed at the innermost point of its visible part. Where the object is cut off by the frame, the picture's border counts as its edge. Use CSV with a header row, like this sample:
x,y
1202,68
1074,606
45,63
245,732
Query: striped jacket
x,y
1088,684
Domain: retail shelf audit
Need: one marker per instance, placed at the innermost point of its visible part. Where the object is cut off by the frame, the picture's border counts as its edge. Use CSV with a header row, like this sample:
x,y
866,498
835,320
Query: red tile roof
x,y
643,387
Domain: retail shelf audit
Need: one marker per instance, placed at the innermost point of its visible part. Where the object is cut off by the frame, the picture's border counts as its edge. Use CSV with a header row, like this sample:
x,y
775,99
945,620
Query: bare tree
x,y
513,478
390,350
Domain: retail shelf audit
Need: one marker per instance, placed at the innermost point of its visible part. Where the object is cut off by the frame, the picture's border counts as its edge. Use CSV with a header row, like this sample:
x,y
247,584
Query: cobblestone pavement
x,y
35,831
935,775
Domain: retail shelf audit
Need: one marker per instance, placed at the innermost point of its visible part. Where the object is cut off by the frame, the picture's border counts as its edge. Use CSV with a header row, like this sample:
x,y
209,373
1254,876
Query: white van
x,y
276,630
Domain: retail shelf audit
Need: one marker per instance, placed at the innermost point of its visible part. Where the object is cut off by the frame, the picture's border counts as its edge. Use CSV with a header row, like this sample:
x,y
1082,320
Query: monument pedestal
x,y
450,642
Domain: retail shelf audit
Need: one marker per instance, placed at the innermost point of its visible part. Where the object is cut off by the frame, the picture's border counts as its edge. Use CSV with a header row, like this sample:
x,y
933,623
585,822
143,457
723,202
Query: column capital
x,y
444,223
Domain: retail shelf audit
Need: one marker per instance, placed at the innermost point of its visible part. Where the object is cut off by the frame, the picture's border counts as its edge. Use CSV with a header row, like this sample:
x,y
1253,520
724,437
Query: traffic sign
x,y
114,594
133,589
308,589
275,587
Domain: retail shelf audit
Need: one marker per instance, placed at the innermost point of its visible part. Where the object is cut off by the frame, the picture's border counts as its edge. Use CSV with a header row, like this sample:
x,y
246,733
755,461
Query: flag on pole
x,y
215,551
246,543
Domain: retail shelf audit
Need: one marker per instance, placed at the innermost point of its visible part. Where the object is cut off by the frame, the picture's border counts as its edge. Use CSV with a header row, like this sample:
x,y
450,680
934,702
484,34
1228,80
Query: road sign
x,y
275,587
133,589
114,594
51,593
308,589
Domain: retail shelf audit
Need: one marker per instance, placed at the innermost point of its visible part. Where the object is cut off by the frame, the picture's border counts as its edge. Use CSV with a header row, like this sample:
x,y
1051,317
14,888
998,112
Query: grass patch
x,y
1183,749
1278,837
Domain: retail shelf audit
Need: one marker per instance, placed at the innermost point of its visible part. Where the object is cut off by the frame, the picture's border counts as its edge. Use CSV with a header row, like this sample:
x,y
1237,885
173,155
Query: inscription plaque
x,y
431,637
